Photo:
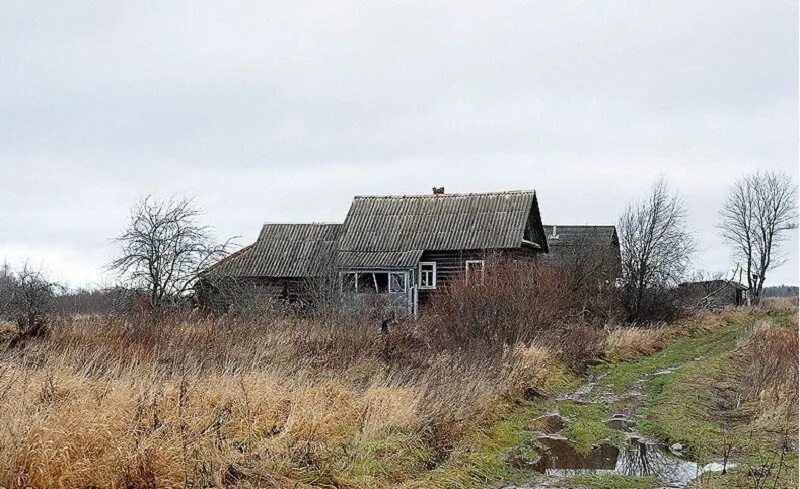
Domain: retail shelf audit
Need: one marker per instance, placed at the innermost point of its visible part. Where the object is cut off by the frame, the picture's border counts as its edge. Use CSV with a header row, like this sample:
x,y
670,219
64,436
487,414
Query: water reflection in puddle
x,y
636,458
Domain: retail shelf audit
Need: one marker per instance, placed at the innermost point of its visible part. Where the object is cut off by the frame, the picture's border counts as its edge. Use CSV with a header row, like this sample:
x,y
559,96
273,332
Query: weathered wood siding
x,y
451,265
222,293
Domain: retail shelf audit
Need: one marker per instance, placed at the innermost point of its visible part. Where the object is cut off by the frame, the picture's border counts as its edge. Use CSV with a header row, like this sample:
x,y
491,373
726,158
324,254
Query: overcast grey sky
x,y
283,112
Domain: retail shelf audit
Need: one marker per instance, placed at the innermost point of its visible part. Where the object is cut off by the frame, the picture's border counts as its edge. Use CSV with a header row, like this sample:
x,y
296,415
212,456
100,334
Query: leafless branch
x,y
755,218
164,249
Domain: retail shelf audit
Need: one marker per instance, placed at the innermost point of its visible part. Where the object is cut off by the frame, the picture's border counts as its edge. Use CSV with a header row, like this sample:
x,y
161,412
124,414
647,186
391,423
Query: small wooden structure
x,y
712,293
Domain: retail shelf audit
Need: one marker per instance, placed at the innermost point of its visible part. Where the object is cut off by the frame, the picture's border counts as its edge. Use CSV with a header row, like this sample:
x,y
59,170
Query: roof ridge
x,y
583,225
314,223
439,196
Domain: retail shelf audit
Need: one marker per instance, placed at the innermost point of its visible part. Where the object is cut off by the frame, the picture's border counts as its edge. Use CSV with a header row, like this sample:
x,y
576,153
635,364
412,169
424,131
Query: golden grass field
x,y
290,402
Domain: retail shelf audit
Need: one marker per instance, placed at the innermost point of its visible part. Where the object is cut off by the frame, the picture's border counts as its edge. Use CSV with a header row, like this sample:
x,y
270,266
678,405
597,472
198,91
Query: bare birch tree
x,y
755,218
656,249
164,249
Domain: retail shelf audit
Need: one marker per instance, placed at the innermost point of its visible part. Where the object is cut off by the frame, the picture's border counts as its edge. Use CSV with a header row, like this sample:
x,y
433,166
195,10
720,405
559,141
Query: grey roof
x,y
438,222
283,250
718,283
570,235
378,259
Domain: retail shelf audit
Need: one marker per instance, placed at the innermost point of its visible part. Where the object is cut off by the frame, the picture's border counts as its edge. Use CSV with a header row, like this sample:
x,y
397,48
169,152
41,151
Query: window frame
x,y
369,281
467,263
431,286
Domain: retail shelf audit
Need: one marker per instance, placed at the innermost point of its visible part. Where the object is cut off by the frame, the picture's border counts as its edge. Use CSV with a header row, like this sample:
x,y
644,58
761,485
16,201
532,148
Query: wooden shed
x,y
712,293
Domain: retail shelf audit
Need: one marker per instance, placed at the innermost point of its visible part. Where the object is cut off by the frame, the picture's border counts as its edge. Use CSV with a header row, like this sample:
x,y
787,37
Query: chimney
x,y
438,190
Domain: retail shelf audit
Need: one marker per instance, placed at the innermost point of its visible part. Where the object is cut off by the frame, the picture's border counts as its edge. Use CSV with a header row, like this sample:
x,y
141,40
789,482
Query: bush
x,y
517,302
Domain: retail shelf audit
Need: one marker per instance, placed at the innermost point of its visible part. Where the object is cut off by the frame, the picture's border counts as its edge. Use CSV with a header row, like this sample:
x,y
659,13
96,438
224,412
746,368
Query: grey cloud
x,y
283,112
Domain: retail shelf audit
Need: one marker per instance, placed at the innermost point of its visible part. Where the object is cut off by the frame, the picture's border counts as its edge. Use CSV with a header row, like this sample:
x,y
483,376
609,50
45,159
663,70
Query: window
x,y
374,282
427,275
397,282
475,272
365,283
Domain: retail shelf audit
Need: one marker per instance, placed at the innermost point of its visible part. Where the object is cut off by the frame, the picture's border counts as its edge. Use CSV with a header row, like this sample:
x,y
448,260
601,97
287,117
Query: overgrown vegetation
x,y
167,401
321,399
737,403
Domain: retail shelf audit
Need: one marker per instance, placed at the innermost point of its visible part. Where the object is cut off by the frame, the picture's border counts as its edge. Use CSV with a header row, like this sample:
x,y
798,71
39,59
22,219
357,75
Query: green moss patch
x,y
586,425
611,481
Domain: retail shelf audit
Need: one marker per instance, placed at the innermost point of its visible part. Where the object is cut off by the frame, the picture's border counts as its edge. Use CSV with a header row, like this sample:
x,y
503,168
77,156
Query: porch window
x,y
474,269
397,282
365,282
374,282
427,275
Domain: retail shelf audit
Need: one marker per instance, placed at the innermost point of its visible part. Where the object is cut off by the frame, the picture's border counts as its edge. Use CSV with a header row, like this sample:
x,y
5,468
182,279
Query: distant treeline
x,y
95,301
780,291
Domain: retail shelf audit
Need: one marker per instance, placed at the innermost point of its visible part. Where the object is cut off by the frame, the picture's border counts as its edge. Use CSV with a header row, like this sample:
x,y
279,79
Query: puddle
x,y
665,371
637,457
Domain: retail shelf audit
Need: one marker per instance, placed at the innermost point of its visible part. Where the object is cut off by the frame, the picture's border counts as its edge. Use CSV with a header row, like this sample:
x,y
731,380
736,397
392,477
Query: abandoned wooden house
x,y
397,250
406,247
712,293
587,252
282,264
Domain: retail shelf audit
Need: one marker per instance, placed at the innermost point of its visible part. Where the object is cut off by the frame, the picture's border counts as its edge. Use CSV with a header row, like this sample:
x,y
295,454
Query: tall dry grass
x,y
203,402
285,400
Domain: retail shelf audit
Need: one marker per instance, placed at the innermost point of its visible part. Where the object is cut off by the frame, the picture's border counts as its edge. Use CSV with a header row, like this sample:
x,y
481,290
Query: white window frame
x,y
373,287
427,287
404,277
474,262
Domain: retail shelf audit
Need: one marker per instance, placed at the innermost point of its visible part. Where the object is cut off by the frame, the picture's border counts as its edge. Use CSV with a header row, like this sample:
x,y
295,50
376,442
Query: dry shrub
x,y
768,360
579,345
517,301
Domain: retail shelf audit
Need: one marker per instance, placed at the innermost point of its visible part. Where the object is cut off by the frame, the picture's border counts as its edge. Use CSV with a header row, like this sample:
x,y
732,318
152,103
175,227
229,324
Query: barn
x,y
590,253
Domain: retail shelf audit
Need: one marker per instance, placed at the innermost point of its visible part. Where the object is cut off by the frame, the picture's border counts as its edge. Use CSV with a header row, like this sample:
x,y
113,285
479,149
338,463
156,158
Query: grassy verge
x,y
484,457
702,341
610,481
705,406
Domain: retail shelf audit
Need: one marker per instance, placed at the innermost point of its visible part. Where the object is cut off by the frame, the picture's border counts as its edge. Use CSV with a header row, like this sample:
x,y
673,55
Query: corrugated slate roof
x,y
378,259
568,235
284,250
437,222
714,284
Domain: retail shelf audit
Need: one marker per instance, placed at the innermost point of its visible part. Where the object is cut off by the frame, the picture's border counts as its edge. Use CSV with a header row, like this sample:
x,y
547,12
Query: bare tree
x,y
591,267
760,209
164,249
656,248
28,299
